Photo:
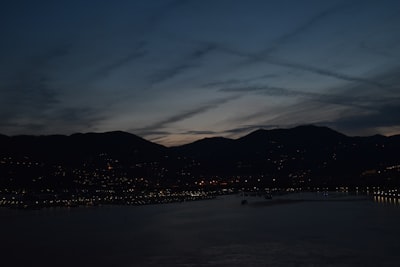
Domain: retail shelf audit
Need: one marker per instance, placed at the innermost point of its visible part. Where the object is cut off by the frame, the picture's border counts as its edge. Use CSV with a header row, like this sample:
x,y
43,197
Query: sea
x,y
303,229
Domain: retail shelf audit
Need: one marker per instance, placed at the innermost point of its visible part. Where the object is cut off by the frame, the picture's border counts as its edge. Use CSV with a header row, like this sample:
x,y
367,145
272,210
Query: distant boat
x,y
268,196
244,201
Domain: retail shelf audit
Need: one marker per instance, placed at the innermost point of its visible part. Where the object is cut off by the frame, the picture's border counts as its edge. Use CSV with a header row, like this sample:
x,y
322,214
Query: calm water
x,y
218,232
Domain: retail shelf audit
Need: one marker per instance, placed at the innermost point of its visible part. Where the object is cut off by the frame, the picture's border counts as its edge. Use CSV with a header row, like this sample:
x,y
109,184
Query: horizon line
x,y
208,137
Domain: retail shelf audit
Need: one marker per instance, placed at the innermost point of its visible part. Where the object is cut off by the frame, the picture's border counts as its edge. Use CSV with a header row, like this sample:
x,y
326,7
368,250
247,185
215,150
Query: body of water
x,y
293,230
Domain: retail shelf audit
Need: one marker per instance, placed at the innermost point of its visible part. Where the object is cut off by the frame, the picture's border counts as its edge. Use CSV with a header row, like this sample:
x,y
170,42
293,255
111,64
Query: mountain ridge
x,y
277,131
301,156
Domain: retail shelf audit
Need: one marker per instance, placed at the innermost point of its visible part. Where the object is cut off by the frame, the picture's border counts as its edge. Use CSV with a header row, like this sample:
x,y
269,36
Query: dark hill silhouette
x,y
258,142
282,152
77,147
207,148
308,134
320,154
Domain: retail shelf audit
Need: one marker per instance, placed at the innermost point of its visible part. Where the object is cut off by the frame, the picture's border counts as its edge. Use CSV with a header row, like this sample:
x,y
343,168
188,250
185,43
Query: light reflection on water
x,y
387,200
333,231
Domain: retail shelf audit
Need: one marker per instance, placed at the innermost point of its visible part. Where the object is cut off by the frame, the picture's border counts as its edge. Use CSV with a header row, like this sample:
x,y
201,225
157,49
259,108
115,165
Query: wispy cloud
x,y
302,27
137,53
41,60
247,128
31,102
96,75
151,24
345,99
354,110
262,57
199,132
170,73
231,82
159,125
26,95
265,55
299,66
323,72
80,116
160,15
29,88
383,116
188,62
139,50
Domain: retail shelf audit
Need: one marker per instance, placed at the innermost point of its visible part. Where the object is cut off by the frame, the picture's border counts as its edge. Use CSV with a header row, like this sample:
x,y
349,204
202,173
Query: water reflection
x,y
334,230
387,200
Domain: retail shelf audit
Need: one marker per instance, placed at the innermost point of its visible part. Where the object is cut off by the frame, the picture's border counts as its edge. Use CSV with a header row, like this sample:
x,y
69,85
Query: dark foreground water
x,y
220,232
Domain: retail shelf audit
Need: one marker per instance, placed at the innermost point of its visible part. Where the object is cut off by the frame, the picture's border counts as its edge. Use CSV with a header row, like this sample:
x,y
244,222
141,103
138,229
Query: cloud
x,y
187,63
382,116
323,72
29,88
345,99
303,67
199,132
355,110
157,126
159,15
261,57
82,116
21,128
169,73
29,98
216,84
25,95
378,51
53,53
137,53
264,56
153,132
301,28
30,103
54,120
247,128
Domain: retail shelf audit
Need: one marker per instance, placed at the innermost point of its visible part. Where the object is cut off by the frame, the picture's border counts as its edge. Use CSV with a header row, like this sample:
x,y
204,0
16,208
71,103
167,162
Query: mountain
x,y
318,153
260,143
77,147
302,156
207,148
299,134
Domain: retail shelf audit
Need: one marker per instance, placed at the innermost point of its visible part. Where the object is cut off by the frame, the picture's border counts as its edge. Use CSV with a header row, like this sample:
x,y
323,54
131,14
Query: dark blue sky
x,y
178,70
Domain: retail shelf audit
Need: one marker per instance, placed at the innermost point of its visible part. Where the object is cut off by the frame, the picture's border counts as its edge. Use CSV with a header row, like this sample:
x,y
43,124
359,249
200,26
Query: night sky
x,y
174,71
